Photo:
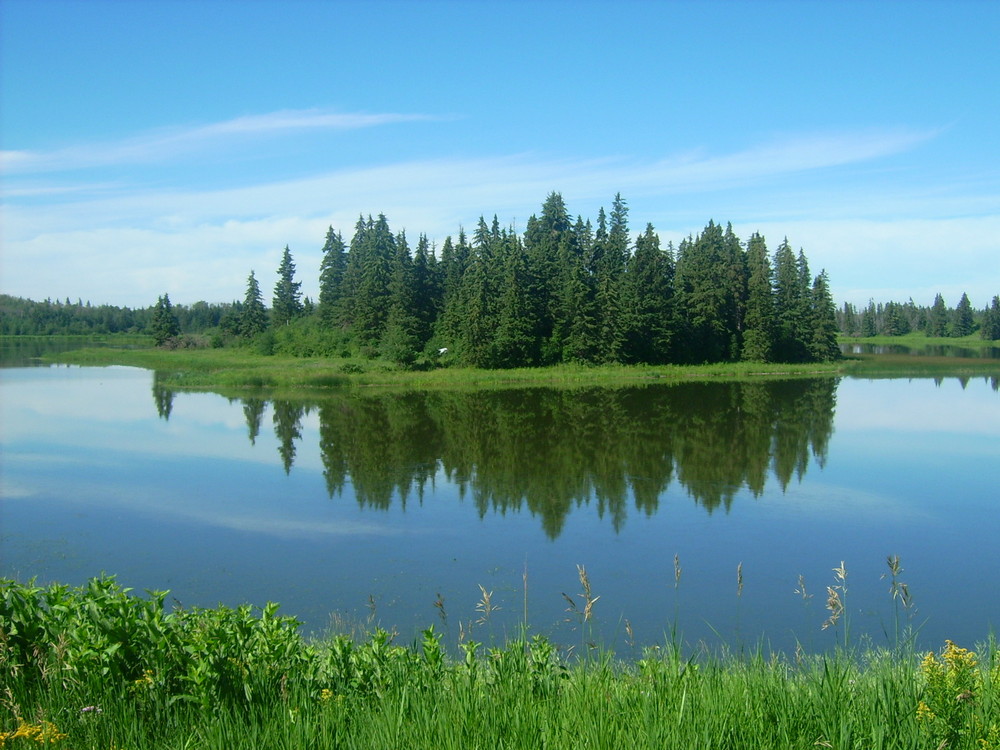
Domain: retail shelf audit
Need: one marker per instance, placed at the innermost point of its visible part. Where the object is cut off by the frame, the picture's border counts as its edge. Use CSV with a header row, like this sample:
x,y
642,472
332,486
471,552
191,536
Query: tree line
x,y
563,291
25,317
938,320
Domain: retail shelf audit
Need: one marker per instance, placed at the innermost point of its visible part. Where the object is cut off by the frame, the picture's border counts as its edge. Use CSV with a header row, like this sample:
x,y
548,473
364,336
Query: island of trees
x,y
564,290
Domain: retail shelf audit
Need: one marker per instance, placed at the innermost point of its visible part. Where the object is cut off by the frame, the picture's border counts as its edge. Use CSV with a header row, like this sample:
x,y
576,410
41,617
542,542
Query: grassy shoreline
x,y
239,368
96,666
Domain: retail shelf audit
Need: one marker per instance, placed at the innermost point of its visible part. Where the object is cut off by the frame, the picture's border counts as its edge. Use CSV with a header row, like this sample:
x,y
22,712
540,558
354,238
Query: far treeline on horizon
x,y
565,291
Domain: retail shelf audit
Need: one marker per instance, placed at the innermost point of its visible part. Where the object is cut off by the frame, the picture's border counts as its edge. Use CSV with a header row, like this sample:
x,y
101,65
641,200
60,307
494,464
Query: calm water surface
x,y
396,508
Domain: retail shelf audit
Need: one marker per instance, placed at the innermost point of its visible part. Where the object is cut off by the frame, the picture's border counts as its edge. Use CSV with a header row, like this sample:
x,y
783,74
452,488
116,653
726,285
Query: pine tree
x,y
963,323
514,346
991,321
758,334
869,320
331,277
791,306
286,303
609,275
400,341
649,296
163,325
702,295
372,299
253,318
823,346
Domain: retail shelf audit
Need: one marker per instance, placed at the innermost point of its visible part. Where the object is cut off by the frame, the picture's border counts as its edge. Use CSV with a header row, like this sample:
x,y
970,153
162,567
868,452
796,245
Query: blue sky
x,y
173,146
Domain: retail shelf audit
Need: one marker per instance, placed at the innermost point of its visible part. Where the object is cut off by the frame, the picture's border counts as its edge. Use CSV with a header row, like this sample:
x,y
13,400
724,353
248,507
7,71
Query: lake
x,y
403,509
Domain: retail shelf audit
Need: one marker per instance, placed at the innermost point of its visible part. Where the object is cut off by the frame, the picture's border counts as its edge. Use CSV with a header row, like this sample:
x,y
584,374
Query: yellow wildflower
x,y
43,732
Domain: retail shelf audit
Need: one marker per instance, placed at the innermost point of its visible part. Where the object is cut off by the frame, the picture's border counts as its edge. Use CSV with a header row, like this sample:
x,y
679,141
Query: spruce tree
x,y
163,325
963,323
991,321
253,317
400,341
286,303
649,299
331,277
372,298
609,284
823,346
791,306
869,320
758,334
702,295
514,346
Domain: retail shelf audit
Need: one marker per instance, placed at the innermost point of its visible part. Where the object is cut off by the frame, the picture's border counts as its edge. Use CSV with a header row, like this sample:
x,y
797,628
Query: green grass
x,y
918,339
97,667
241,368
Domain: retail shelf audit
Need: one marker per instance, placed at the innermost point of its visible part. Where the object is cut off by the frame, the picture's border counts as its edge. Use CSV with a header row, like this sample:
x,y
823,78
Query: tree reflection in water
x,y
547,450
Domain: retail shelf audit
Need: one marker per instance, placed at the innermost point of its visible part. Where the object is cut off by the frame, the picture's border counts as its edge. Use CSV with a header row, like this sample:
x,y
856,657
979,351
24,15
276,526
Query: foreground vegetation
x,y
97,667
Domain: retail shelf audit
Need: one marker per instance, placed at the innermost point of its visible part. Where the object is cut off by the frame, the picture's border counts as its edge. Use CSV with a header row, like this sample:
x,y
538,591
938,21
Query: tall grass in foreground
x,y
97,667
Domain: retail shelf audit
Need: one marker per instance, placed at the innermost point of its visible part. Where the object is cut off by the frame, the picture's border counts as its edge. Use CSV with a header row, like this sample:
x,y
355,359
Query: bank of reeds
x,y
99,667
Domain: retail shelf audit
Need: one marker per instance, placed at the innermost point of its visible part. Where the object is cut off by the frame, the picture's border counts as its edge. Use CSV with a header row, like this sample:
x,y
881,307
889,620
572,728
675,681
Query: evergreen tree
x,y
737,274
963,323
937,319
372,299
351,280
702,294
823,346
331,277
453,266
991,321
894,320
400,341
869,321
253,318
758,334
514,346
791,306
848,321
609,274
426,291
286,304
548,239
163,325
649,299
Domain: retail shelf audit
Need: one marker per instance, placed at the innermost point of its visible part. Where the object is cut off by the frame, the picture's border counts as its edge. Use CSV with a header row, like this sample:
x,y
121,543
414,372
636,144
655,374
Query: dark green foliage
x,y
704,297
164,325
560,292
287,303
759,321
793,327
253,318
401,339
937,320
991,321
331,277
962,324
823,346
649,298
640,441
894,320
869,321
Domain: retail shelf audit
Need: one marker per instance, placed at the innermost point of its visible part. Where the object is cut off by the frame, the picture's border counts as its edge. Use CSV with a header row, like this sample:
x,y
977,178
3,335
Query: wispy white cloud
x,y
166,144
127,246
